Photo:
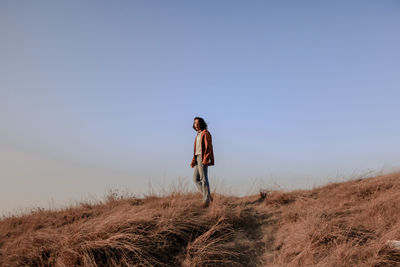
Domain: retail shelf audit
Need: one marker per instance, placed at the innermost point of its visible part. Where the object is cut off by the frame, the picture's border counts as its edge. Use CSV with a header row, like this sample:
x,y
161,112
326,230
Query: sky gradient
x,y
97,95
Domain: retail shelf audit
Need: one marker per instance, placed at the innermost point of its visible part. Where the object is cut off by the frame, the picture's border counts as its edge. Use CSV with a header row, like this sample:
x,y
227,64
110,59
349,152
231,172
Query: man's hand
x,y
206,163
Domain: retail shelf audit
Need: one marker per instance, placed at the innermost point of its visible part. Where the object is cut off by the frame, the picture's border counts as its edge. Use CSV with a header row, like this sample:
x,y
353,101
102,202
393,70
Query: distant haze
x,y
97,95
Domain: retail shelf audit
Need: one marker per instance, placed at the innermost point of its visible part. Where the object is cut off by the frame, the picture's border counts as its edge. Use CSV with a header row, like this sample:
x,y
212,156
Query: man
x,y
203,157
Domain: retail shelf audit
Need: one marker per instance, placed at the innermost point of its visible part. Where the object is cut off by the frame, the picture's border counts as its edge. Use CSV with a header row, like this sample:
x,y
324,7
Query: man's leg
x,y
196,179
203,172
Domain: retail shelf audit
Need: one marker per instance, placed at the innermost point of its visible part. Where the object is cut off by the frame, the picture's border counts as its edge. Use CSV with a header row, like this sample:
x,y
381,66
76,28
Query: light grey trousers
x,y
200,177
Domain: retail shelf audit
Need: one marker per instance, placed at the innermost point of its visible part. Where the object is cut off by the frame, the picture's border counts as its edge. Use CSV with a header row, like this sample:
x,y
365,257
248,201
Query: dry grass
x,y
341,224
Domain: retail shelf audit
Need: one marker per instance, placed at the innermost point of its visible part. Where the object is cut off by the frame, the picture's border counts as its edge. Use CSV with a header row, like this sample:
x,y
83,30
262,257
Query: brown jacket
x,y
207,153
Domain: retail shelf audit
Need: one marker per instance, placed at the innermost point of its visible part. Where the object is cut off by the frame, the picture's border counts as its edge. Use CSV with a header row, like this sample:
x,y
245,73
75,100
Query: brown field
x,y
340,224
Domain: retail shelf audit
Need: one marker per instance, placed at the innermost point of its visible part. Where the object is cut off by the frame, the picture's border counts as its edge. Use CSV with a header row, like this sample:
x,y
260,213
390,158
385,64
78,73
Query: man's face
x,y
197,125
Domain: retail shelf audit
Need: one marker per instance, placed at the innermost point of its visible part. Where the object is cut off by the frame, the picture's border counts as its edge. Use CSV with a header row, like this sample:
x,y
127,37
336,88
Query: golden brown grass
x,y
340,224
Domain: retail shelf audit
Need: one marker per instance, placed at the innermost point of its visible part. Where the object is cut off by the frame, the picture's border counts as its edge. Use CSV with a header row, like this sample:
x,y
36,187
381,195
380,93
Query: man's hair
x,y
203,124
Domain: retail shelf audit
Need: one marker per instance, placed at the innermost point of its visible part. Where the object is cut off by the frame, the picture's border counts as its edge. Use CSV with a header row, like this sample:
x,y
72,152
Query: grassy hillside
x,y
340,224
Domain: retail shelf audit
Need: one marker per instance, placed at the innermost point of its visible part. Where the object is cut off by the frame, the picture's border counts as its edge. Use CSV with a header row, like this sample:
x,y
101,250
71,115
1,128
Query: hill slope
x,y
340,224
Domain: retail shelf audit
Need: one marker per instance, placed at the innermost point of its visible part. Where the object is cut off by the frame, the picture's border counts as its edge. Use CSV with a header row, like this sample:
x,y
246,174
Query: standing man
x,y
203,157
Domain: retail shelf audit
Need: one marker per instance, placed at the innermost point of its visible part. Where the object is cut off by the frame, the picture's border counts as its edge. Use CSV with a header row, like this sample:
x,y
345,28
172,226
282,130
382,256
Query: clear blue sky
x,y
294,93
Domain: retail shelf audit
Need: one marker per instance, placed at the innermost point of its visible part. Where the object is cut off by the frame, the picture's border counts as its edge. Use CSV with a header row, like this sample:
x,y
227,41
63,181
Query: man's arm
x,y
207,148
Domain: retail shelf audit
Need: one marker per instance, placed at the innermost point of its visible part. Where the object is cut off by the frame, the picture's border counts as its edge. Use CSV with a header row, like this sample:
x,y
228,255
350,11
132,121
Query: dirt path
x,y
257,227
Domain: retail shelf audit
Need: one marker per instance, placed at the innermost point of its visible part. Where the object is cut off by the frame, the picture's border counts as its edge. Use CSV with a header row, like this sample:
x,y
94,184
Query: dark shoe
x,y
211,198
206,203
